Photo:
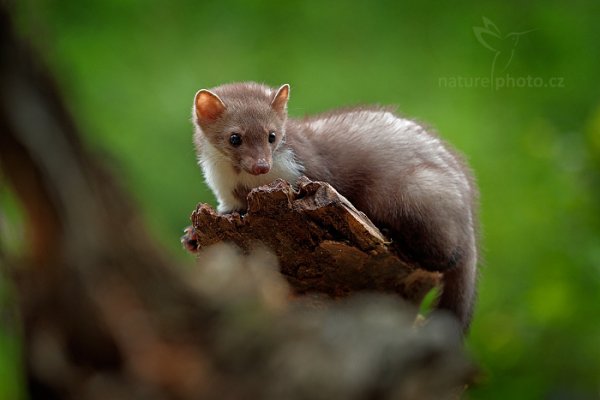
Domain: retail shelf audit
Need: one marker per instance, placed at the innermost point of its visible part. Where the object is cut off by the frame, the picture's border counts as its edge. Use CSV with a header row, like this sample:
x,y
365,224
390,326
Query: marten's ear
x,y
280,100
209,106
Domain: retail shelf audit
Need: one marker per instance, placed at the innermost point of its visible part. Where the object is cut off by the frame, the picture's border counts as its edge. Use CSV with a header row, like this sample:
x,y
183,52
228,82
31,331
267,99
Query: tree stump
x,y
323,243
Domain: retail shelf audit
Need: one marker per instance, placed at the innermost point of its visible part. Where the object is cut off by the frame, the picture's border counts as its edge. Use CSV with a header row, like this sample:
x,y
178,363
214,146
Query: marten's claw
x,y
188,240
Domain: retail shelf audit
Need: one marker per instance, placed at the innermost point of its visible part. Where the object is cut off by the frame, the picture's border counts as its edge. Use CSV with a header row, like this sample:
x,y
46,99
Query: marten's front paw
x,y
188,240
240,212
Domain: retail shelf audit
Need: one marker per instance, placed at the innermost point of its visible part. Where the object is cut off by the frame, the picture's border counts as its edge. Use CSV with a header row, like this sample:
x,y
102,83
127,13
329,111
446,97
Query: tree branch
x,y
323,243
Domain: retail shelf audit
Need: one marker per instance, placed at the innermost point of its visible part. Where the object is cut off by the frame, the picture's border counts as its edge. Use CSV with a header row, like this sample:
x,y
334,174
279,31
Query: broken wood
x,y
323,243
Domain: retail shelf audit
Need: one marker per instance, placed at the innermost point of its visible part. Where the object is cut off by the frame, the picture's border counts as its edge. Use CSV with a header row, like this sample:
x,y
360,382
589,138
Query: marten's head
x,y
243,122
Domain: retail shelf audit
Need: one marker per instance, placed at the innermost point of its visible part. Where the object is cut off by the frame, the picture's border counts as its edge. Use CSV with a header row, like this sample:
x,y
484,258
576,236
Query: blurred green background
x,y
130,68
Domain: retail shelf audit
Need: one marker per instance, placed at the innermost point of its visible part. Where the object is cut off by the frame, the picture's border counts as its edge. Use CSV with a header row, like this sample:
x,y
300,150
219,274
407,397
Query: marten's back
x,y
405,179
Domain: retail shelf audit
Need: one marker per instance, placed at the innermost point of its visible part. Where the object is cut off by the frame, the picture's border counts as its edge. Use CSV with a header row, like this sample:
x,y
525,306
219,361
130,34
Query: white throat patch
x,y
223,180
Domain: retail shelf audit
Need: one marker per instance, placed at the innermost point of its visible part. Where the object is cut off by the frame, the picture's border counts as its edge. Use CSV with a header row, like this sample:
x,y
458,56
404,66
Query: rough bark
x,y
106,315
323,243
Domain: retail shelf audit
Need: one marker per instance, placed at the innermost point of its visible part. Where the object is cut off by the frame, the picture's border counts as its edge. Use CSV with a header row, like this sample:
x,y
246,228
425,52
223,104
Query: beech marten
x,y
402,176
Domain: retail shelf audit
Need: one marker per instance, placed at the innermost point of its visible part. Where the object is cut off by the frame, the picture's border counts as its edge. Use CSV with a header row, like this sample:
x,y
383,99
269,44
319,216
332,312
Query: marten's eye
x,y
235,139
272,137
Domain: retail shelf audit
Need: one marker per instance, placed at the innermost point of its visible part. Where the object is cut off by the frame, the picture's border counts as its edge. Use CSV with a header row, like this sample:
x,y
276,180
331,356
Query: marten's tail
x,y
459,293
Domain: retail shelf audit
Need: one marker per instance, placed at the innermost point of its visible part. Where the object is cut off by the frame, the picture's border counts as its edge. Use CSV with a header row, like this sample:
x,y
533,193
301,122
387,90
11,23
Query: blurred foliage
x,y
130,70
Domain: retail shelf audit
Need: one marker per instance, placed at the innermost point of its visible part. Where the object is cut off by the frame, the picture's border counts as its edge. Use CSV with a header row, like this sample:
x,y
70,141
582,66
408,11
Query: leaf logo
x,y
503,46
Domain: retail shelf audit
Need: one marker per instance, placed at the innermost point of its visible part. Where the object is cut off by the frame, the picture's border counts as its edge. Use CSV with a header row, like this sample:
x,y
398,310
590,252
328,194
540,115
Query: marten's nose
x,y
261,167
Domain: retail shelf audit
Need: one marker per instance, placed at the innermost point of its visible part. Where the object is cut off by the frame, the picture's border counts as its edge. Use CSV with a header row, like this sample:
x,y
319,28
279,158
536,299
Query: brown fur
x,y
404,177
